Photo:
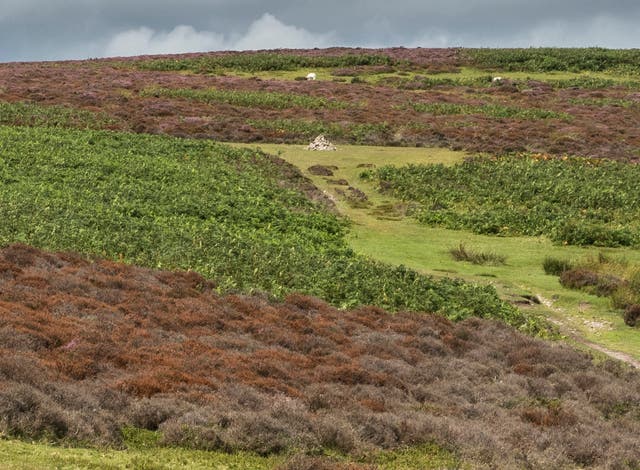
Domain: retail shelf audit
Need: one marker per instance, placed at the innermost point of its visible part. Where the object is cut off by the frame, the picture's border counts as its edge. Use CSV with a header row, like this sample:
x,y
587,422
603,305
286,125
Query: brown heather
x,y
89,347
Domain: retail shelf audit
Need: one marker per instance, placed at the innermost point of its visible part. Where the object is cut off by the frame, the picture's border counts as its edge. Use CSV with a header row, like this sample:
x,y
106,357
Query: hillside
x,y
577,102
91,347
171,290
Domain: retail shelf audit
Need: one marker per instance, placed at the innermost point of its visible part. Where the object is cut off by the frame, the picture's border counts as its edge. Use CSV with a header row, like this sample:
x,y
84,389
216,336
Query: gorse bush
x,y
257,99
236,216
570,200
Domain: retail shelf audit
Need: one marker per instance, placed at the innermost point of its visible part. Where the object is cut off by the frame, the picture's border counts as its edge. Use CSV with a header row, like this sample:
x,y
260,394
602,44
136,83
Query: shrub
x,y
579,278
631,314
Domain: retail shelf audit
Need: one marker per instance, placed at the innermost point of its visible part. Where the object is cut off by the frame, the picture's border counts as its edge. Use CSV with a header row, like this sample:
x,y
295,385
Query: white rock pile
x,y
322,144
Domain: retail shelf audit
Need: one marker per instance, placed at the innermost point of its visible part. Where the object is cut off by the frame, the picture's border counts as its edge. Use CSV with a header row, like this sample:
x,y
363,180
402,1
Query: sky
x,y
33,30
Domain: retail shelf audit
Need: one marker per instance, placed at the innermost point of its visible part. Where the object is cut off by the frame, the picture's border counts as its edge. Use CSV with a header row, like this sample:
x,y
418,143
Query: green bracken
x,y
29,114
571,200
491,110
185,204
257,99
258,62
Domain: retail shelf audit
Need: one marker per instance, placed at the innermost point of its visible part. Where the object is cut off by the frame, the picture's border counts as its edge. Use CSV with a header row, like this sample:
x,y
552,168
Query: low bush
x,y
604,276
631,314
491,110
548,59
30,114
264,61
596,283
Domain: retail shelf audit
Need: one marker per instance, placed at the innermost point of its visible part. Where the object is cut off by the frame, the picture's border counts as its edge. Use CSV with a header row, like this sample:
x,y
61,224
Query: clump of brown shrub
x,y
605,276
631,314
165,352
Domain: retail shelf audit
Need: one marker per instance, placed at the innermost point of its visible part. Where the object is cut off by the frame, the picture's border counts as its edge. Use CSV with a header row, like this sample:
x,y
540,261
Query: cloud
x,y
147,41
269,33
265,33
602,30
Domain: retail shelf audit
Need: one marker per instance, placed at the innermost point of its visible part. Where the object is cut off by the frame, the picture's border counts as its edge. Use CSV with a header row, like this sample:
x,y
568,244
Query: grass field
x,y
381,230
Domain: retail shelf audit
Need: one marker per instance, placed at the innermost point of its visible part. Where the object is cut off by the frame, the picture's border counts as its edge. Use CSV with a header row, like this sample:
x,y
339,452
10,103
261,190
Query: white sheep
x,y
497,79
311,76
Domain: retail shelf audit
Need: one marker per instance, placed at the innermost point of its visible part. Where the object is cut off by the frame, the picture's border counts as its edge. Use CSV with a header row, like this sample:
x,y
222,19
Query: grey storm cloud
x,y
65,29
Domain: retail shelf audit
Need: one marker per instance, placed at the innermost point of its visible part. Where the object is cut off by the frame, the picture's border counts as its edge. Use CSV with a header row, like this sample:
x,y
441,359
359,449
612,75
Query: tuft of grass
x,y
463,253
556,266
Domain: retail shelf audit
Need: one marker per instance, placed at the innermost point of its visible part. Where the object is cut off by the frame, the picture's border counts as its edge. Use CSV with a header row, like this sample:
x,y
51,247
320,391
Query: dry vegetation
x,y
90,347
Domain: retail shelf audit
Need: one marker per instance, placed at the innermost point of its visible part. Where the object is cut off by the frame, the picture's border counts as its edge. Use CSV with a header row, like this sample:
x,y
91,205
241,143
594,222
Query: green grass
x,y
257,99
20,455
399,239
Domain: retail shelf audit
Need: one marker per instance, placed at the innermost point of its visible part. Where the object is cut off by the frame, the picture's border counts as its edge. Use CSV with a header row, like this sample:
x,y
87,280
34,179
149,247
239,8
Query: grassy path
x,y
383,231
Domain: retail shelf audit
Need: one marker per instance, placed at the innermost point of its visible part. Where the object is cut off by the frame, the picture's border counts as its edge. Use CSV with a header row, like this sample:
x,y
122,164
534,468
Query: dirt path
x,y
382,232
575,336
614,354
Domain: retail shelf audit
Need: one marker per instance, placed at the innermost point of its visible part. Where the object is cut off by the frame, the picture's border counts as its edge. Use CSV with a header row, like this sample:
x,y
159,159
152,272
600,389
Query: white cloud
x,y
265,33
269,33
147,41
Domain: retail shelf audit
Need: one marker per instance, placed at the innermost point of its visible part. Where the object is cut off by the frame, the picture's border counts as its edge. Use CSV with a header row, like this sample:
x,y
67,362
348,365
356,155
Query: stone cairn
x,y
321,143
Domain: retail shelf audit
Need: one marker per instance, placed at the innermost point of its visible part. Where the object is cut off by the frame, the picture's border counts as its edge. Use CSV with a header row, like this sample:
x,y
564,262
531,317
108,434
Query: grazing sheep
x,y
311,76
497,79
